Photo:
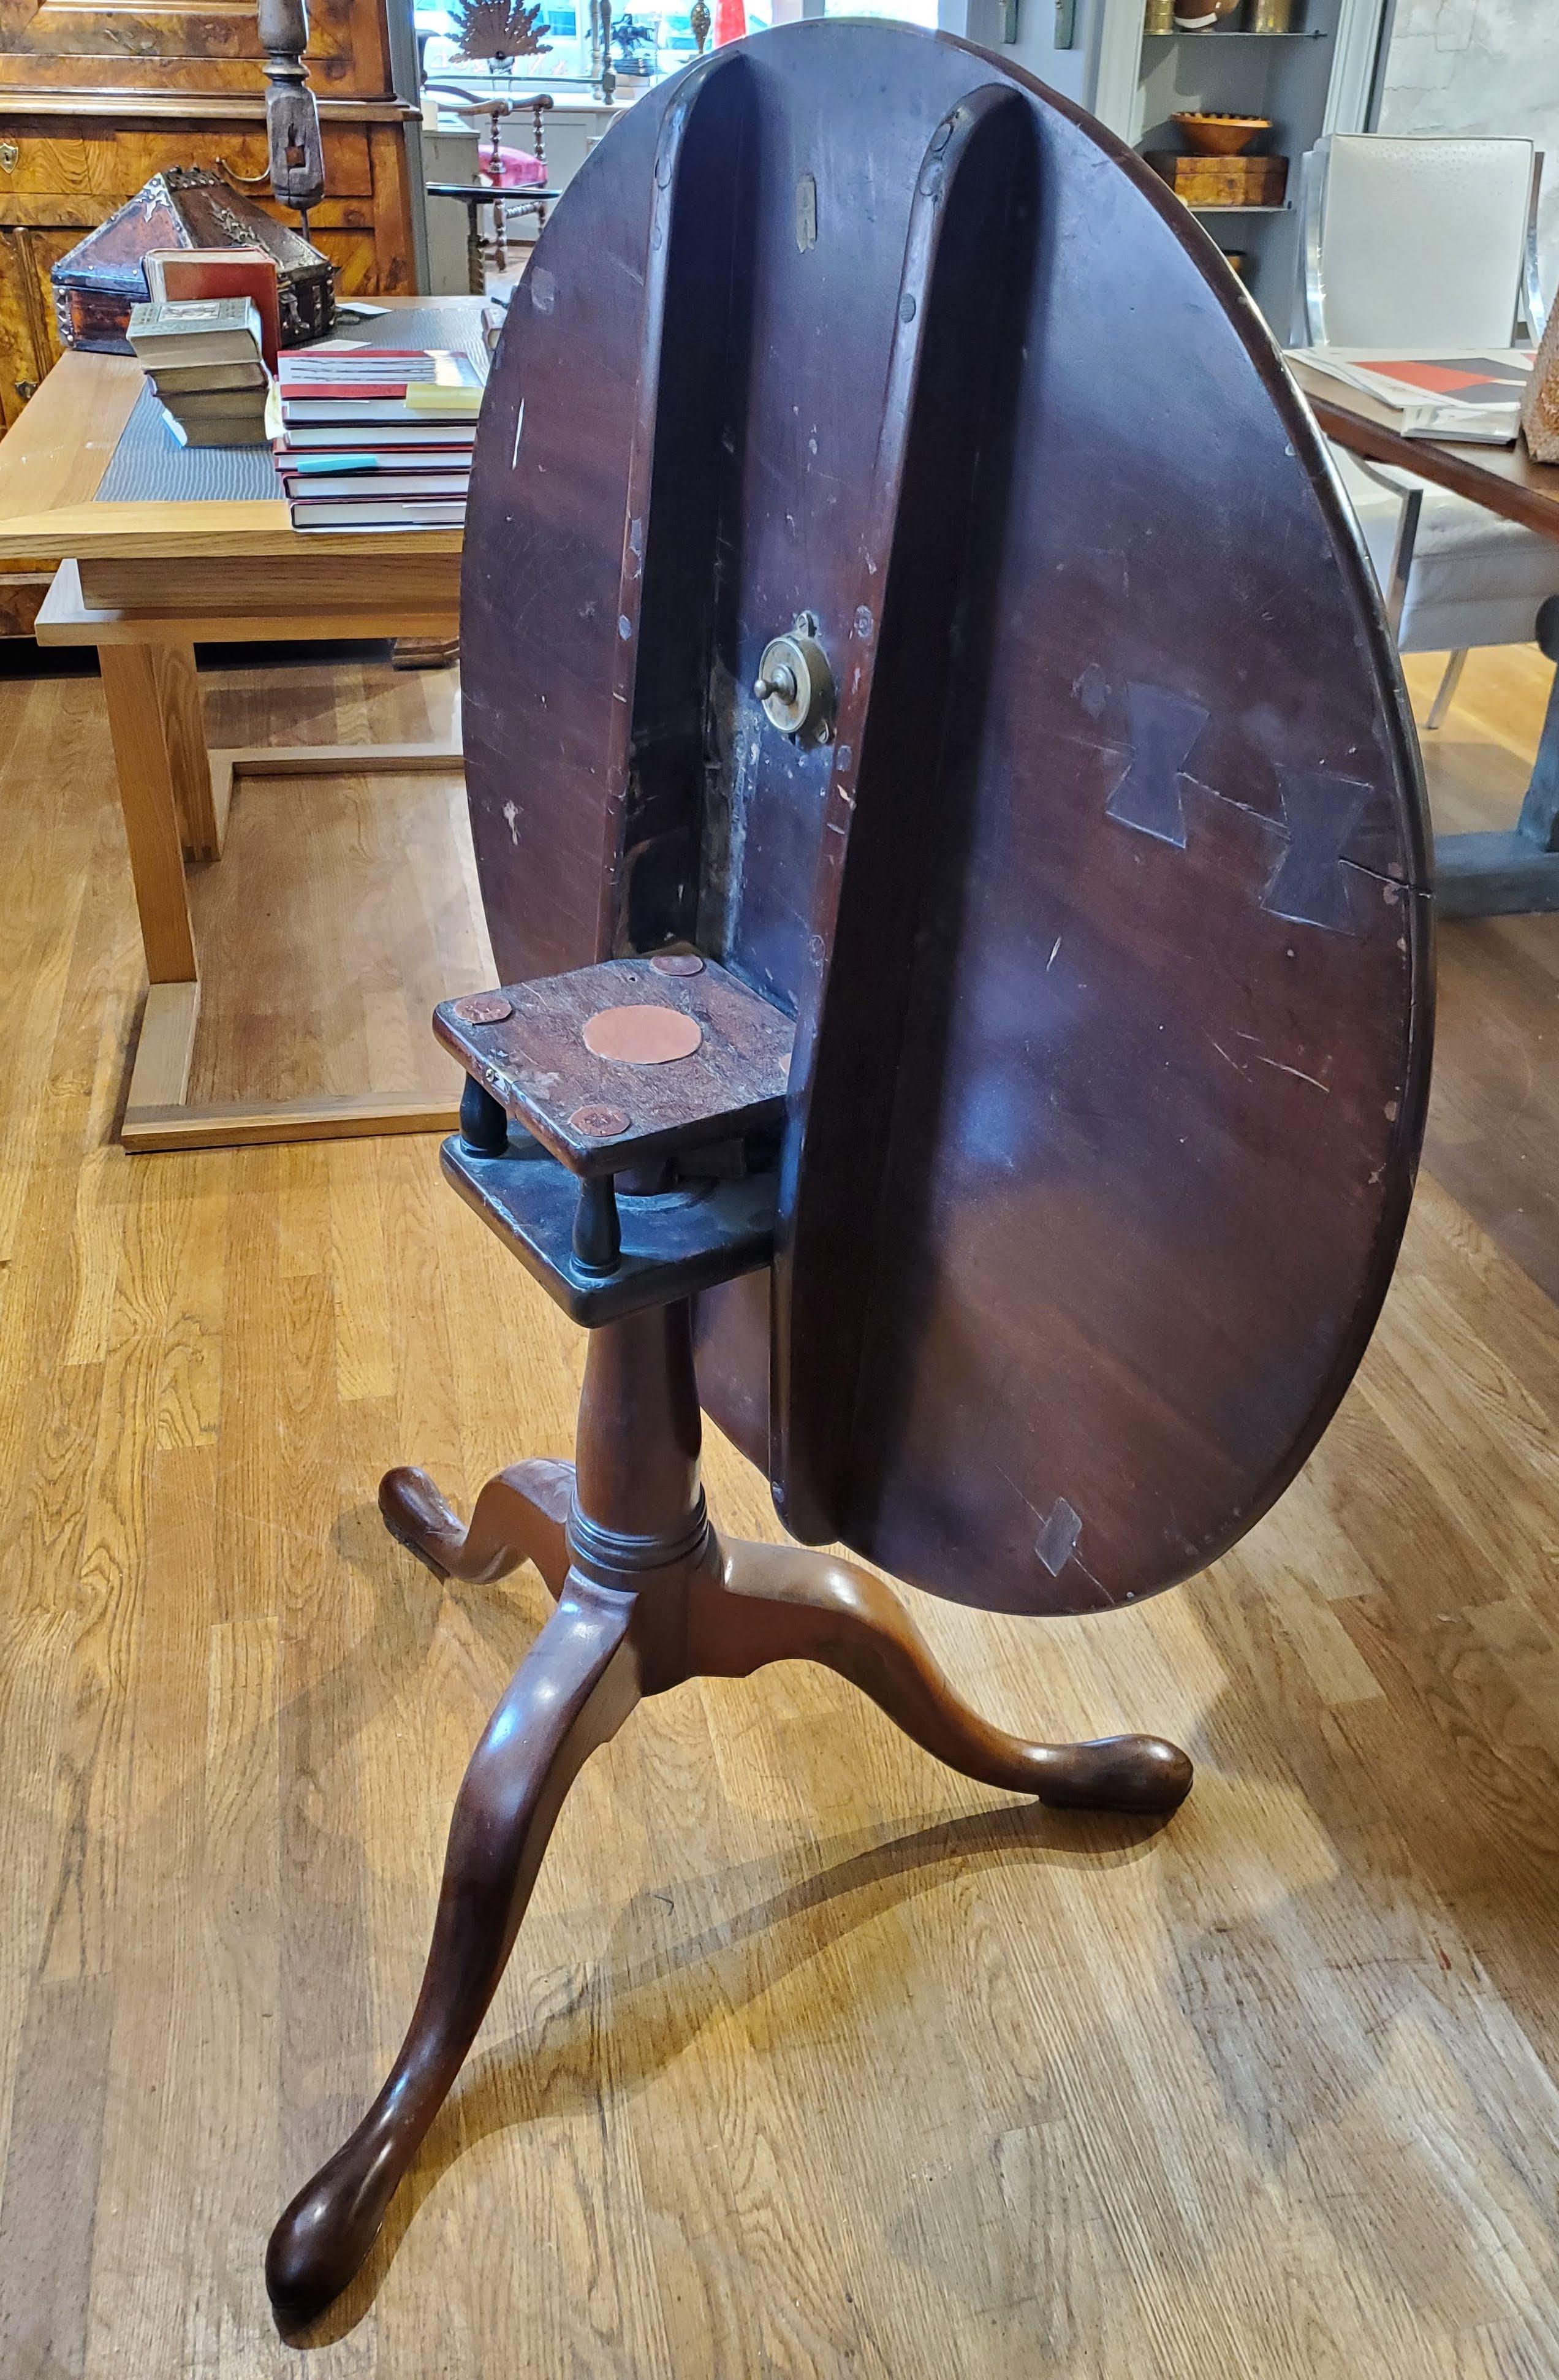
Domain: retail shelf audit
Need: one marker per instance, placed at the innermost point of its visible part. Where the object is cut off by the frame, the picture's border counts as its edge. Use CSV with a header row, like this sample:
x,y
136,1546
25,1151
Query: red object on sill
x,y
730,21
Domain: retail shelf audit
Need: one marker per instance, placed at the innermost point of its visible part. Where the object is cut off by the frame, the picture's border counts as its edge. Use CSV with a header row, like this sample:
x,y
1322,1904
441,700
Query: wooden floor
x,y
813,2058
344,908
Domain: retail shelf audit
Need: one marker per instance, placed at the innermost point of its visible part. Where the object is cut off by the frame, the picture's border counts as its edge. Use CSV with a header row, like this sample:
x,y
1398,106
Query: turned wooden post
x,y
636,1492
292,119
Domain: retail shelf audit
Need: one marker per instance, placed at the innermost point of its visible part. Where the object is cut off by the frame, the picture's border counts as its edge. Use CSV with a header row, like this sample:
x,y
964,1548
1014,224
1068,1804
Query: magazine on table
x,y
1464,395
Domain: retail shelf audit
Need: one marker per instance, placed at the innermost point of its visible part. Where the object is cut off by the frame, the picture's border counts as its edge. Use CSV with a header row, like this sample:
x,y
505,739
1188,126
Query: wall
x,y
1069,71
1480,67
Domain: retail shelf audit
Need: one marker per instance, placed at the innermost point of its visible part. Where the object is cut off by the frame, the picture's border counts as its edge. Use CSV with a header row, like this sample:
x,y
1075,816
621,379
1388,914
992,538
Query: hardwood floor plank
x,y
49,2199
155,2142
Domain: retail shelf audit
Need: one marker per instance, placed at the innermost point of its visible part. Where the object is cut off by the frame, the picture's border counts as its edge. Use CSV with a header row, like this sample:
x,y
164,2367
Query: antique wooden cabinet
x,y
96,99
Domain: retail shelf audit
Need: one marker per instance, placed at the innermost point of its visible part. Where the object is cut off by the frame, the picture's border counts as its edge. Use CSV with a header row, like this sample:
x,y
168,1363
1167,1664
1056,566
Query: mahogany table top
x,y
1102,911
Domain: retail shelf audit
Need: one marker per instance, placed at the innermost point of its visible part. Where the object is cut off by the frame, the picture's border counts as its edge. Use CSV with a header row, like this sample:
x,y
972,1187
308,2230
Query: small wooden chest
x,y
1222,181
104,275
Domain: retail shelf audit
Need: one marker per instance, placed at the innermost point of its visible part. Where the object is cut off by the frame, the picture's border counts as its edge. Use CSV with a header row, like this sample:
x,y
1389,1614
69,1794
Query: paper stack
x,y
203,357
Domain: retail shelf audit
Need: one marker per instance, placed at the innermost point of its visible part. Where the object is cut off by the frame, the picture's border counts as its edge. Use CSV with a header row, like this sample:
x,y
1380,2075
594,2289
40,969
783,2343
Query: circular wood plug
x,y
642,1035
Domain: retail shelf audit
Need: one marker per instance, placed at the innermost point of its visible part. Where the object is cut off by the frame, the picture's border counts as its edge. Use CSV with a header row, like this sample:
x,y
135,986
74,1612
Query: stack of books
x,y
204,359
376,438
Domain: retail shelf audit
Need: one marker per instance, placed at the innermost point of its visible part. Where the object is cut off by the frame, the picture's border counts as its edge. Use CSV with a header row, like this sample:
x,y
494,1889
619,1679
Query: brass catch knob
x,y
795,685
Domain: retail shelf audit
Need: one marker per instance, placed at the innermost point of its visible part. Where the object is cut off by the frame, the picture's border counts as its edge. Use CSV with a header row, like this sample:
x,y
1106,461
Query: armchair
x,y
1433,242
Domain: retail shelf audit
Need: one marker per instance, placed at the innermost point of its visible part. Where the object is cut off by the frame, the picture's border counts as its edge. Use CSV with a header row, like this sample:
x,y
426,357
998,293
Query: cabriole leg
x,y
572,1694
520,1516
777,1603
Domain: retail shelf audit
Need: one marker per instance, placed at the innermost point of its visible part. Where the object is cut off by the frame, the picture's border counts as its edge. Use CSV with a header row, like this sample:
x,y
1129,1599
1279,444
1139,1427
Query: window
x,y
905,12
651,37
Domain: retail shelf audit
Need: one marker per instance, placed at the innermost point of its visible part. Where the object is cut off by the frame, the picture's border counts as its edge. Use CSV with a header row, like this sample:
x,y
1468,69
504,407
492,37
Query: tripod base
x,y
637,1613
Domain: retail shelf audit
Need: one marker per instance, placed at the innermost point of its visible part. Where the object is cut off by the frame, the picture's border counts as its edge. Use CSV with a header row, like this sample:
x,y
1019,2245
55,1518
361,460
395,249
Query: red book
x,y
376,487
399,459
174,275
358,351
374,437
364,371
343,388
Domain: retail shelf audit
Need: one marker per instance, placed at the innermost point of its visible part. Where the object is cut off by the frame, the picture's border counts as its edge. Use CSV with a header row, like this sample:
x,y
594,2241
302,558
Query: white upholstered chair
x,y
1430,243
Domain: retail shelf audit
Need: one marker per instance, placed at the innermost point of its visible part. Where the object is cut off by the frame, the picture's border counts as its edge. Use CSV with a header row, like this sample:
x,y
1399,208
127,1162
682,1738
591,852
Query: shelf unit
x,y
1313,79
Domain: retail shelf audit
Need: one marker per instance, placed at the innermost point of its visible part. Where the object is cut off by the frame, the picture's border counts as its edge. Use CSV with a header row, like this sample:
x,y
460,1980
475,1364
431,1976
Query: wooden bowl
x,y
1221,136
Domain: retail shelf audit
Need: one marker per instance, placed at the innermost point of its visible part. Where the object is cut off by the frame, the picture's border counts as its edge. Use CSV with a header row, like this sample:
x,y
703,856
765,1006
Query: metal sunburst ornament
x,y
498,29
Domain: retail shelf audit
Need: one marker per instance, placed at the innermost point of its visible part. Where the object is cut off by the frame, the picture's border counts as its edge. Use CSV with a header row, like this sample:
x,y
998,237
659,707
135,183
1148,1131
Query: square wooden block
x,y
600,1113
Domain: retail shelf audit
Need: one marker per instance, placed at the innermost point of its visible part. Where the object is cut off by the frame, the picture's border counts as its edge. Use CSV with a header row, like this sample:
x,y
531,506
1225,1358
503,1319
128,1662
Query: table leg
x,y
476,263
150,755
166,773
155,722
178,700
1516,874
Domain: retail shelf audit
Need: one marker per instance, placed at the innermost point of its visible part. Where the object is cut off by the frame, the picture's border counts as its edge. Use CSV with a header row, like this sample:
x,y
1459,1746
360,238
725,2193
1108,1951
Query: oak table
x,y
145,580
1498,874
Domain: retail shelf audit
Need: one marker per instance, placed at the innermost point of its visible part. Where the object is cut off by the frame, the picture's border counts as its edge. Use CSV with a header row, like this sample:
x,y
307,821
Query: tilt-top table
x,y
951,834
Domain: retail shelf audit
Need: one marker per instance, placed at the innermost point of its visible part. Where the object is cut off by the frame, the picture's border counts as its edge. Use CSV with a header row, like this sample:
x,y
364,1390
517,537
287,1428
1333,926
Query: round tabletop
x,y
1101,902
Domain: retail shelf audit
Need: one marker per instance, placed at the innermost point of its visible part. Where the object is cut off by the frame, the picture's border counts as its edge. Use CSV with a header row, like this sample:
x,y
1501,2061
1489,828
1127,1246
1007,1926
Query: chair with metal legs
x,y
1430,243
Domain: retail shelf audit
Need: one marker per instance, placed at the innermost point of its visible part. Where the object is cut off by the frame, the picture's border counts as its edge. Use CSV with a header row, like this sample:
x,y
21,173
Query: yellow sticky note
x,y
434,396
